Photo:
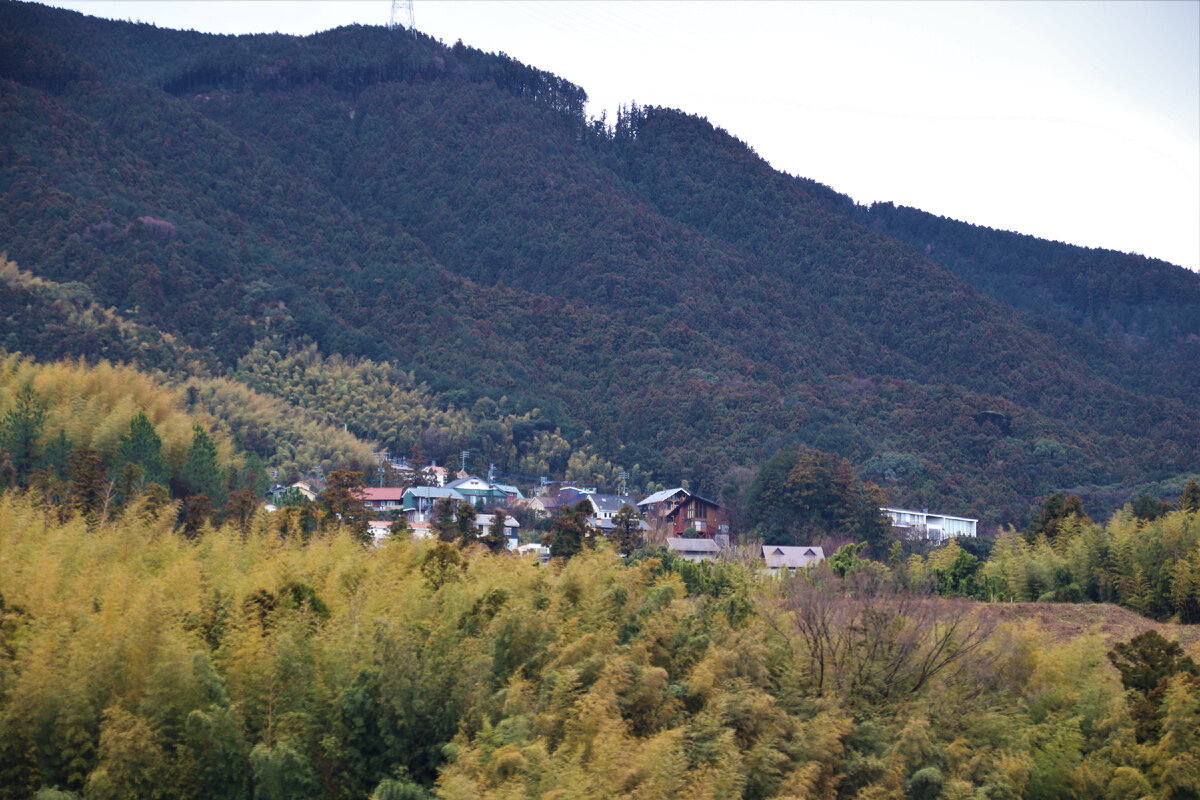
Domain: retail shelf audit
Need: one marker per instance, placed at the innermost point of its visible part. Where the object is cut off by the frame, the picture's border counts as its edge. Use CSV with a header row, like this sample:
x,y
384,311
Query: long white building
x,y
930,526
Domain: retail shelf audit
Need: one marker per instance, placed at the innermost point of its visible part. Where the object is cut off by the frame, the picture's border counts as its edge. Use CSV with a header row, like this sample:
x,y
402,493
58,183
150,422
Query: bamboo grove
x,y
135,662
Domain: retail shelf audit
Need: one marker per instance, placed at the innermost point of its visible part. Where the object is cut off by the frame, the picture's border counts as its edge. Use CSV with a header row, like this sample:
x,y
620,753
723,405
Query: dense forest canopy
x,y
517,279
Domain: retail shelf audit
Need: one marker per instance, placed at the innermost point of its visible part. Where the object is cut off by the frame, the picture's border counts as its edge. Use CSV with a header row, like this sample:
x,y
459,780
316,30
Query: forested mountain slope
x,y
1150,304
655,291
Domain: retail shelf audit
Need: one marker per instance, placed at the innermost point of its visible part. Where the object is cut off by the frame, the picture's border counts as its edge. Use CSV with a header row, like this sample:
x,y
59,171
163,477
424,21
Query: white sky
x,y
1074,121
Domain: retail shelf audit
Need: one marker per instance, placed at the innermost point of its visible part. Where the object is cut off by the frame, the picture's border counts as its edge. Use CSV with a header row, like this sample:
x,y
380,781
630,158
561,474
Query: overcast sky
x,y
1073,121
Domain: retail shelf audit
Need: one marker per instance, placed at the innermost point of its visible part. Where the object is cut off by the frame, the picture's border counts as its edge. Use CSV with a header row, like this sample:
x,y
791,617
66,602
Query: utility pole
x,y
624,476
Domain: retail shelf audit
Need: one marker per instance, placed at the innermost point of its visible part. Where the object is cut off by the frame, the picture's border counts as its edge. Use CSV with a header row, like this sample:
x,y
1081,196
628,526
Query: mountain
x,y
653,293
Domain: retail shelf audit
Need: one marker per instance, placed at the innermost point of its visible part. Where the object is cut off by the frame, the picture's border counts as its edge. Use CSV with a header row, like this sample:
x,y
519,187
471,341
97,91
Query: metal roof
x,y
610,502
485,521
384,493
684,545
665,494
926,514
608,524
436,492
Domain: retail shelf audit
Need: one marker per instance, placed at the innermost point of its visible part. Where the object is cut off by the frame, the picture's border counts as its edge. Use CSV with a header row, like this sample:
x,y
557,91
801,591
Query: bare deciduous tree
x,y
865,635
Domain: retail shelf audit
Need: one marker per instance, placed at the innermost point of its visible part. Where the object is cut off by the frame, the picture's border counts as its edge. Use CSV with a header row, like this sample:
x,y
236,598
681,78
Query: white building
x,y
923,525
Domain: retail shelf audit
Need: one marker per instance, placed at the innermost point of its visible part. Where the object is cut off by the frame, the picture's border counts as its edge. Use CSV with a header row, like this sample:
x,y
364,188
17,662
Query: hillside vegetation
x,y
651,293
160,641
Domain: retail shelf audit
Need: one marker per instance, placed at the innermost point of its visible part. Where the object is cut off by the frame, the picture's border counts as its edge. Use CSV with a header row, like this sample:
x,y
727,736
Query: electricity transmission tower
x,y
402,15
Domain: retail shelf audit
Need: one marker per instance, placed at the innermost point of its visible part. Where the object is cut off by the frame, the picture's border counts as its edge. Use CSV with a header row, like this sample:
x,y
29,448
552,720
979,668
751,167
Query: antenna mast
x,y
402,15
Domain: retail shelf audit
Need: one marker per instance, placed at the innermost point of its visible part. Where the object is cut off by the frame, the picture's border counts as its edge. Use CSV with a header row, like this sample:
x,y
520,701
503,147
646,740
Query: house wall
x,y
705,518
656,513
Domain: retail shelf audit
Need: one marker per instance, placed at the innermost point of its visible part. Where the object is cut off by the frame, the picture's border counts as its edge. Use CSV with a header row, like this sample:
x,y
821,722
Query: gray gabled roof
x,y
608,524
486,520
780,556
681,544
610,502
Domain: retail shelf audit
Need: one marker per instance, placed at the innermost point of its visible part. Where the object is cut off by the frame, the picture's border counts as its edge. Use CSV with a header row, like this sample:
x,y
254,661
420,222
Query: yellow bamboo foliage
x,y
92,405
302,439
239,661
1006,568
815,776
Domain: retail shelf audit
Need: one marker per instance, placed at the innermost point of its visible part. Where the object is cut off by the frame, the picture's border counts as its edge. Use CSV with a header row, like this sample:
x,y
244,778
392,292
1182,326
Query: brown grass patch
x,y
1063,621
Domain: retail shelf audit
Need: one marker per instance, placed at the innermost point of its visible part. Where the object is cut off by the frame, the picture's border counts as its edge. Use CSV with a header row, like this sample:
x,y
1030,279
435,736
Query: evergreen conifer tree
x,y
202,475
141,447
21,435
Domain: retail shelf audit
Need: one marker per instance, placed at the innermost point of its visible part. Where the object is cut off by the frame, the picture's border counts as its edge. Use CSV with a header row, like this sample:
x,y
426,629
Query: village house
x,y
435,475
605,526
606,506
478,492
923,525
279,495
555,497
483,525
673,512
306,490
699,514
782,559
539,506
385,499
512,493
418,502
694,549
658,506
